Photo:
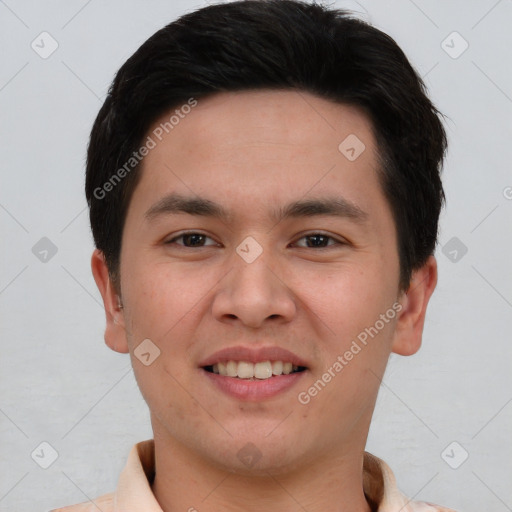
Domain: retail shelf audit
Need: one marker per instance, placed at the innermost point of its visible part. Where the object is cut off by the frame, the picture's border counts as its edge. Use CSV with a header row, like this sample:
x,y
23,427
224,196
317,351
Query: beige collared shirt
x,y
134,494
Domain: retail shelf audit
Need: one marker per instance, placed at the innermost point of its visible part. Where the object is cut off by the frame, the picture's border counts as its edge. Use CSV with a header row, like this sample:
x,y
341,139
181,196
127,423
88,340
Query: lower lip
x,y
254,390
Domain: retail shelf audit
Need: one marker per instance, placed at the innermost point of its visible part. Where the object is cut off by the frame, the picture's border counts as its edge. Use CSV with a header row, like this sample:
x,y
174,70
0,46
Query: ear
x,y
115,333
409,326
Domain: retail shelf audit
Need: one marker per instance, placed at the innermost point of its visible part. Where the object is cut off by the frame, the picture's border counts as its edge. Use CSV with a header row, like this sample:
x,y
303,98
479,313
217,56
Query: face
x,y
256,236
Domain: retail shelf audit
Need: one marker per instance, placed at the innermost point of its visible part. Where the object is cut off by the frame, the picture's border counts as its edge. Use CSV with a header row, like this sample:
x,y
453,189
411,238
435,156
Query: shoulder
x,y
105,503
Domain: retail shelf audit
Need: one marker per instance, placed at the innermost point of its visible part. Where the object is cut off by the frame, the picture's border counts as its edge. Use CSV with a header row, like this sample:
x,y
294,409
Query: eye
x,y
190,239
193,239
320,240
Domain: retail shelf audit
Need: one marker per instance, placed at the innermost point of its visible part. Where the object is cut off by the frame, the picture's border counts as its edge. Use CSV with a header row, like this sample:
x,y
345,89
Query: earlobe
x,y
115,333
409,326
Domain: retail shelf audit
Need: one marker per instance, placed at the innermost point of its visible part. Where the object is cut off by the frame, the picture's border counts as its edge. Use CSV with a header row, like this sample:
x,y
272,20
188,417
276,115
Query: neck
x,y
186,482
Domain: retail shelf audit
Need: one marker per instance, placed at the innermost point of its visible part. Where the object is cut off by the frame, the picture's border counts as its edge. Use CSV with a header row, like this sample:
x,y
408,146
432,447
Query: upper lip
x,y
253,355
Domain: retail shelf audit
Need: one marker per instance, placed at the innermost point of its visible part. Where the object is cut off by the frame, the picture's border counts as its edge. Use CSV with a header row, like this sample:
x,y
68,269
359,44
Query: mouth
x,y
253,373
246,370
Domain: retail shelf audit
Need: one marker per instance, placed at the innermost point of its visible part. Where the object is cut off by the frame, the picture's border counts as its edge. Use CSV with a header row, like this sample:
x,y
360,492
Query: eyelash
x,y
308,235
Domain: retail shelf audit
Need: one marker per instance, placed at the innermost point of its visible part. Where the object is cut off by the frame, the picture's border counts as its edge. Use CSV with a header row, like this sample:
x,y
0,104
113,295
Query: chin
x,y
259,455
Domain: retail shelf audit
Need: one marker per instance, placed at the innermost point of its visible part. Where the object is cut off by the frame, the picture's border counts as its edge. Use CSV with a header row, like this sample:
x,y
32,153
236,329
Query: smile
x,y
251,371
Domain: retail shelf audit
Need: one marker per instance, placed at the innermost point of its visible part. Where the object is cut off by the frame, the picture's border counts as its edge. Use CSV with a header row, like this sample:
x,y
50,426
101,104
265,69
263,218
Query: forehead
x,y
283,118
245,148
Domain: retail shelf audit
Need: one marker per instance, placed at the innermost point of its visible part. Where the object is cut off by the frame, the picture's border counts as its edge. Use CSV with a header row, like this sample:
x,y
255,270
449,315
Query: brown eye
x,y
190,239
319,240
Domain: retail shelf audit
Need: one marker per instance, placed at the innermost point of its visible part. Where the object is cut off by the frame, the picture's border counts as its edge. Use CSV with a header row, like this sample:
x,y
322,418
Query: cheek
x,y
358,310
159,296
166,383
353,296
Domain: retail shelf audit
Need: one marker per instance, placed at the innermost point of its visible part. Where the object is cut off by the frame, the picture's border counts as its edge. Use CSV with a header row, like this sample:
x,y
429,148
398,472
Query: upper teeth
x,y
246,370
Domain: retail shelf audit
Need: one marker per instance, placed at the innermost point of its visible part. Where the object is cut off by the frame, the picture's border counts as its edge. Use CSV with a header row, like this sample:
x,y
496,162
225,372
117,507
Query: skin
x,y
253,152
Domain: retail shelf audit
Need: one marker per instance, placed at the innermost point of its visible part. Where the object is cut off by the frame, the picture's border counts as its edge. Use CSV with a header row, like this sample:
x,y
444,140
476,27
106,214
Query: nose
x,y
254,294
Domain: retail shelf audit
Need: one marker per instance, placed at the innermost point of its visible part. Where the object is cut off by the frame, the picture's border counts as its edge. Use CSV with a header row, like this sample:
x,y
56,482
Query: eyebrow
x,y
175,203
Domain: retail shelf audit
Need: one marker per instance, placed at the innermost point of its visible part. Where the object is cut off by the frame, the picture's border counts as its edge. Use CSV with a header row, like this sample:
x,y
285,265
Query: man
x,y
264,190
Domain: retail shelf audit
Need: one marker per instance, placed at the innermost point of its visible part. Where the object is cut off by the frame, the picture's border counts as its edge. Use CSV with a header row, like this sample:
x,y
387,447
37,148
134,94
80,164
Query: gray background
x,y
60,384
